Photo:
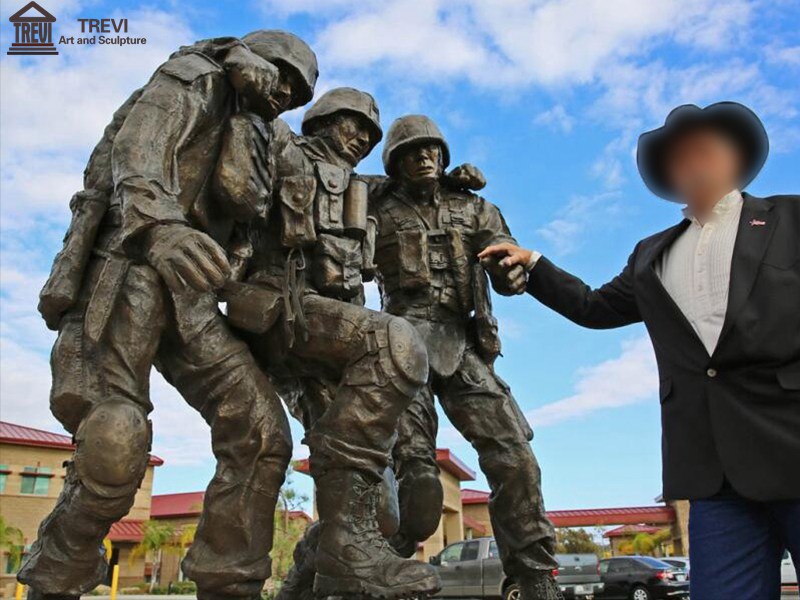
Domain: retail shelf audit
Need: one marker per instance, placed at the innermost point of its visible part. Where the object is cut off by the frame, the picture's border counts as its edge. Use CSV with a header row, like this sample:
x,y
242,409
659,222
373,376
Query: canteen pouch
x,y
413,258
337,266
297,204
329,205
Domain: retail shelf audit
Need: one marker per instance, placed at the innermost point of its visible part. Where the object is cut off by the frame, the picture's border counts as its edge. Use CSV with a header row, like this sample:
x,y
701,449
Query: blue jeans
x,y
736,546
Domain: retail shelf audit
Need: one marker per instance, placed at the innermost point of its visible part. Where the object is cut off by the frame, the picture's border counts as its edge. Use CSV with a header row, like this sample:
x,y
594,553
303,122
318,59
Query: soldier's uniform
x,y
362,367
428,273
148,178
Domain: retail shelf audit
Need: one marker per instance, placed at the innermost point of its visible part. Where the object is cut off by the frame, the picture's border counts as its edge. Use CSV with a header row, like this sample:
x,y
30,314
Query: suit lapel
x,y
756,225
652,254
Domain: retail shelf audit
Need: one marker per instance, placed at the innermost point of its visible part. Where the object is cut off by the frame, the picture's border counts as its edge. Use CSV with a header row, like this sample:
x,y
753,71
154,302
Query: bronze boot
x,y
539,585
420,496
353,558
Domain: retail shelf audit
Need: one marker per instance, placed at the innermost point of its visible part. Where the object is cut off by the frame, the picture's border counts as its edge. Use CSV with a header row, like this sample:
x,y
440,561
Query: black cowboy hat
x,y
735,120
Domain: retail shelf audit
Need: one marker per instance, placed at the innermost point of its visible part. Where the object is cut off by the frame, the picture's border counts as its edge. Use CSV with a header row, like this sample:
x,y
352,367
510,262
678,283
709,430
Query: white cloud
x,y
630,378
25,386
517,42
784,55
565,232
55,110
557,118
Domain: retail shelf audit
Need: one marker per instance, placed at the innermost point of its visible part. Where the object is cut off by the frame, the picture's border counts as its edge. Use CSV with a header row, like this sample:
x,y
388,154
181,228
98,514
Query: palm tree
x,y
155,536
13,541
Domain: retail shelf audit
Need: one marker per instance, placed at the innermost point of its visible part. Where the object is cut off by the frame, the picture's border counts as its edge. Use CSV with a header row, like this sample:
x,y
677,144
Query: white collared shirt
x,y
696,269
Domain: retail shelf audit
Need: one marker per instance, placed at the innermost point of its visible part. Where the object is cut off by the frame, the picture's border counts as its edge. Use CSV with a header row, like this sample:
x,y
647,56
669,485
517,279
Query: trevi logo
x,y
33,31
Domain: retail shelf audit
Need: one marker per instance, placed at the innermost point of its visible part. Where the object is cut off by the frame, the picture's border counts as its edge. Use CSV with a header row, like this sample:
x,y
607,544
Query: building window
x,y
36,480
3,477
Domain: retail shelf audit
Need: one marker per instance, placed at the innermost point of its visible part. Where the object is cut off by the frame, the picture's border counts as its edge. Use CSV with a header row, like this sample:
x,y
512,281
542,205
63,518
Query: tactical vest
x,y
322,223
423,267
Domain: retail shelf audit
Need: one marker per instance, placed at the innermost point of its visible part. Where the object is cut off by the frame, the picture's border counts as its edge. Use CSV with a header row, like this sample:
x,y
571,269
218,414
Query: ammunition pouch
x,y
296,198
251,307
329,205
414,268
337,266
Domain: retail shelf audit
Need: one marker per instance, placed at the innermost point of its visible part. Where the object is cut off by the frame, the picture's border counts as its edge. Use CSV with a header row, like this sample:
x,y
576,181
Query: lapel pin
x,y
757,223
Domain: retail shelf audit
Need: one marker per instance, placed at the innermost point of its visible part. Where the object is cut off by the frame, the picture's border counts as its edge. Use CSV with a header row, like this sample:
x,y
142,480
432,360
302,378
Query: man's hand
x,y
466,177
508,255
506,280
183,255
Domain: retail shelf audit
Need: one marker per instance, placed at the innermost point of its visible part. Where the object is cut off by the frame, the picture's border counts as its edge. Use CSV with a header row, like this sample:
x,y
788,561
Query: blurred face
x,y
350,137
421,164
703,164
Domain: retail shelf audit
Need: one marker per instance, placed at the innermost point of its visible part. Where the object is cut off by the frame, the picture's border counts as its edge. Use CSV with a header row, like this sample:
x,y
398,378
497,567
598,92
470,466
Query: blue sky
x,y
546,96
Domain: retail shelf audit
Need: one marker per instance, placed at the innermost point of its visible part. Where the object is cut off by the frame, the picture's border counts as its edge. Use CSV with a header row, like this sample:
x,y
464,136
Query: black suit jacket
x,y
734,414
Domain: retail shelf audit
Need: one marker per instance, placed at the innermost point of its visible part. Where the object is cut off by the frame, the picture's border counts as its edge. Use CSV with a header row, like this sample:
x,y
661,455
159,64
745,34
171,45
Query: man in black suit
x,y
719,294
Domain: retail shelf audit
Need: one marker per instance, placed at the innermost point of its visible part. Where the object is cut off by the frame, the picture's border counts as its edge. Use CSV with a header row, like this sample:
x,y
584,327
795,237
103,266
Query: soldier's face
x,y
350,137
281,97
421,163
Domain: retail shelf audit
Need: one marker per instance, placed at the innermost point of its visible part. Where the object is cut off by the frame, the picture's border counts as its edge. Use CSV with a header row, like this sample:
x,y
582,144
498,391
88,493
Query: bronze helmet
x,y
283,48
412,130
346,100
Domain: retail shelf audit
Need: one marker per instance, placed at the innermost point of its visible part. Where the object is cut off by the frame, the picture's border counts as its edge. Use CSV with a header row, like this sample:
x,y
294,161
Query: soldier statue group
x,y
199,194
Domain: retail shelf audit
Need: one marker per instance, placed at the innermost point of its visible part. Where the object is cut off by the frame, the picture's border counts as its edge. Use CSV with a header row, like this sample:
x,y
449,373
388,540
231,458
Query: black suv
x,y
642,578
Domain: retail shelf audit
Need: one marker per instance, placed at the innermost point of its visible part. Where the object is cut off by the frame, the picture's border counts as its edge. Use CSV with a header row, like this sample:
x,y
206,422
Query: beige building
x,y
31,477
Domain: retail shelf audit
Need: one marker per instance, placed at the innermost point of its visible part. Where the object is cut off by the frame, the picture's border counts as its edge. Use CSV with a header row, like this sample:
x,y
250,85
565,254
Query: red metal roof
x,y
11,433
445,458
630,515
129,530
454,465
469,496
475,525
628,530
300,514
190,504
172,506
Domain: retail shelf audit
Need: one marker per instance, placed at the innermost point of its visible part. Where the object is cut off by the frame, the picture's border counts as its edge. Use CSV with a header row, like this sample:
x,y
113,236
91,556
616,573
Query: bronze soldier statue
x,y
133,286
427,271
361,368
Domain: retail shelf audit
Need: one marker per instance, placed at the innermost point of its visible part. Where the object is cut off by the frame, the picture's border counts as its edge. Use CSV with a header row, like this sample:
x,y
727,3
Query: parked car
x,y
472,569
642,578
788,571
680,562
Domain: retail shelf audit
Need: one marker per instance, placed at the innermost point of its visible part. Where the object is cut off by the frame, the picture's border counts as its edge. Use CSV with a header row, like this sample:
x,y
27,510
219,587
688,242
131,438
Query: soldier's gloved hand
x,y
254,80
466,177
507,280
185,256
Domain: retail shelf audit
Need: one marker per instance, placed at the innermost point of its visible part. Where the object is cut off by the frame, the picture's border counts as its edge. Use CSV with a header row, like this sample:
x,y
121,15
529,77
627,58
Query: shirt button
x,y
711,372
